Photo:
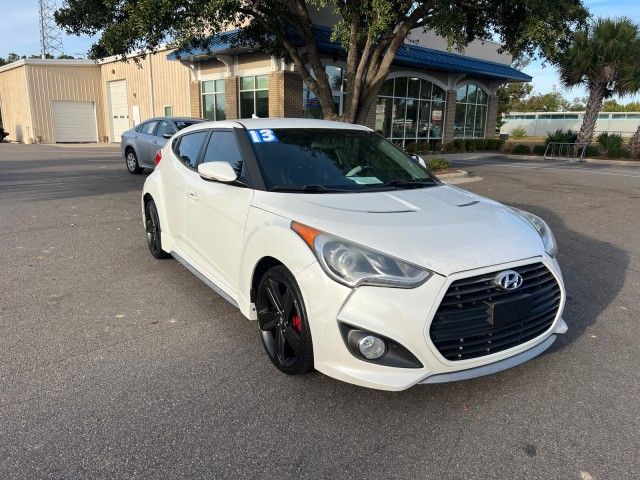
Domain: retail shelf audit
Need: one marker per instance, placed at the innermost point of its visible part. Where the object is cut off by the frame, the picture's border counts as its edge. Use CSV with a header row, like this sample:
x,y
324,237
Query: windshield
x,y
321,160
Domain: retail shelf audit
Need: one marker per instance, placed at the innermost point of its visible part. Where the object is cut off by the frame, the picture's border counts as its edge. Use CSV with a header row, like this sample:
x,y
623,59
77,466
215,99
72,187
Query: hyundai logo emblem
x,y
508,280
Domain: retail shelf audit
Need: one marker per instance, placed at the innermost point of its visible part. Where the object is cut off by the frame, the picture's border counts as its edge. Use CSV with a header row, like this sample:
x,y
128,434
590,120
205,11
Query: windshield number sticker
x,y
264,135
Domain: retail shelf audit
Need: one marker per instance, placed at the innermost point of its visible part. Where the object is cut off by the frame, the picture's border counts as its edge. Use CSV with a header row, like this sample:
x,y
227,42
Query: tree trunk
x,y
634,143
594,105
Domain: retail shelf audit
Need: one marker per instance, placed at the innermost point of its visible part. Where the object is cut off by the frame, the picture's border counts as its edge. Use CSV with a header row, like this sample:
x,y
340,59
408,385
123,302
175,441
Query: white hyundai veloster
x,y
353,258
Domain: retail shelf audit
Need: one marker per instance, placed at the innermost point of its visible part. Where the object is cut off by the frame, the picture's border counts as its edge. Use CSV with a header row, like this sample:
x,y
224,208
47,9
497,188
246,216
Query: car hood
x,y
443,228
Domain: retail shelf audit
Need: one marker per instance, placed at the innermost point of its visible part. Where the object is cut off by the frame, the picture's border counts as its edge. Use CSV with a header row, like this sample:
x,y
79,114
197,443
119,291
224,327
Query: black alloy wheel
x,y
152,224
283,322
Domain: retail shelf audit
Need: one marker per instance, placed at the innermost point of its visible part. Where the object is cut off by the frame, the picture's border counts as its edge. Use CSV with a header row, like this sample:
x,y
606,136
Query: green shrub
x,y
618,152
436,164
459,145
493,143
521,149
610,140
481,144
411,147
562,136
518,132
449,147
539,149
591,151
470,145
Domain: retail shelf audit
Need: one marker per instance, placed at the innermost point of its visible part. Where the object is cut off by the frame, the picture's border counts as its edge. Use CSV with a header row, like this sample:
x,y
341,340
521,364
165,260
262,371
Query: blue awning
x,y
408,55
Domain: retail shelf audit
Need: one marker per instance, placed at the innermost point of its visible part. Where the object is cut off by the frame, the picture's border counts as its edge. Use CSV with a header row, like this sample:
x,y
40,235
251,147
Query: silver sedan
x,y
140,144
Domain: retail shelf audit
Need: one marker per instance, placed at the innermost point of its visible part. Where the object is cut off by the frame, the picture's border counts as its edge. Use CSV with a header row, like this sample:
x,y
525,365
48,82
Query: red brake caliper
x,y
296,323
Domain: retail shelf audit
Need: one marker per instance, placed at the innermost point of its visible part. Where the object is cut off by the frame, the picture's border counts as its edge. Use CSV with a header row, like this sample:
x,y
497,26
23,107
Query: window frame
x,y
215,93
176,145
254,91
464,101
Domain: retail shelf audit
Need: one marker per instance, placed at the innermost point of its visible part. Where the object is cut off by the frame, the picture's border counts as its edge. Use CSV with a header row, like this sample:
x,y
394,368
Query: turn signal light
x,y
158,157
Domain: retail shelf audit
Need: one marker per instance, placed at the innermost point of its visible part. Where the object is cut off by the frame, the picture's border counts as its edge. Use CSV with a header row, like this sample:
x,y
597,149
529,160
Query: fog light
x,y
371,347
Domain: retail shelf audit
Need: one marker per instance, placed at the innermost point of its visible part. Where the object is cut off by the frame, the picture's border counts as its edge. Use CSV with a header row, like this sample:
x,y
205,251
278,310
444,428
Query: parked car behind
x,y
140,144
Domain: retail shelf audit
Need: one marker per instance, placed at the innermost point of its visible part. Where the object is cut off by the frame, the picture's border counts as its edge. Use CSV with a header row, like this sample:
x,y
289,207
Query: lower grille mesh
x,y
461,330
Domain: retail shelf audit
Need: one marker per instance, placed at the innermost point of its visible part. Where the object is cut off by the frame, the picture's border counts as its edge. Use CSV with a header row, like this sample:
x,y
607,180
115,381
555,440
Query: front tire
x,y
282,318
131,159
152,223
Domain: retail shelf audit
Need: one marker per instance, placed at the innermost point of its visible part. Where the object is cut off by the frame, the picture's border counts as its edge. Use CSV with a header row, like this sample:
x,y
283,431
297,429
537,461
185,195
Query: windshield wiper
x,y
410,183
307,189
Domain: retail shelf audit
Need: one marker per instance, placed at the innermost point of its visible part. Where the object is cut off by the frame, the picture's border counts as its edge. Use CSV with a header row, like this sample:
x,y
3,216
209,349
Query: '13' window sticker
x,y
263,135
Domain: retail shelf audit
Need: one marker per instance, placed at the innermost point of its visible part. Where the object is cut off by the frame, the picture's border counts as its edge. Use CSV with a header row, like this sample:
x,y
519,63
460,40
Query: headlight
x,y
549,241
353,265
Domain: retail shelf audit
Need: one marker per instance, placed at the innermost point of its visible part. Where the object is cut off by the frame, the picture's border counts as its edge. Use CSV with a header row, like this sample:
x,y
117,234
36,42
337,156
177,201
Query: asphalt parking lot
x,y
116,365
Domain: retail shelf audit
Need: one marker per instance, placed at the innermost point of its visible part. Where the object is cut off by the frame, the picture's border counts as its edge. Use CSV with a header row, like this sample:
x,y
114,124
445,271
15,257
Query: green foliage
x,y
518,132
494,144
449,147
618,152
539,149
436,164
459,145
562,136
610,140
411,147
612,105
521,149
591,151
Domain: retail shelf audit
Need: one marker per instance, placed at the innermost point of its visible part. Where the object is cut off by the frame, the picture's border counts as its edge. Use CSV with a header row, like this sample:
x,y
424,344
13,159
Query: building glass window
x,y
254,96
410,110
337,81
471,112
213,100
168,111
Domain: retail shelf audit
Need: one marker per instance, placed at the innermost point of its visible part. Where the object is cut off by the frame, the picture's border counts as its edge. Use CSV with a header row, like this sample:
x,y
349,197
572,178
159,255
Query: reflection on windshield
x,y
338,160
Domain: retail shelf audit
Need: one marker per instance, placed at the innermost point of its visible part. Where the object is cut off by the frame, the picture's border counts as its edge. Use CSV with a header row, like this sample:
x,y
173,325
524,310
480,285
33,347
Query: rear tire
x,y
152,224
282,318
131,160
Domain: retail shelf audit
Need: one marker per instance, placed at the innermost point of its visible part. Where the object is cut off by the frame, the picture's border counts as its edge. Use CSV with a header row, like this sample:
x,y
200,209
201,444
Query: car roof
x,y
276,123
174,119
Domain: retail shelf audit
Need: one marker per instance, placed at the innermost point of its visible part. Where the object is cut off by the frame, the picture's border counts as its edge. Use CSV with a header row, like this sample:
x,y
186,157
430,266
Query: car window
x,y
223,147
139,128
185,123
189,148
165,128
342,159
149,127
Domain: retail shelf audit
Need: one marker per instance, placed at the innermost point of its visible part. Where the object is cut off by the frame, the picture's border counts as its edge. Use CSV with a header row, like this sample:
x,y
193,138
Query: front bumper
x,y
403,315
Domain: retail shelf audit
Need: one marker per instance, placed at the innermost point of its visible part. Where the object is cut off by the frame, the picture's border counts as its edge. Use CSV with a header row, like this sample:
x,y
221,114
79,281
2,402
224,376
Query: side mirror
x,y
167,135
418,159
217,172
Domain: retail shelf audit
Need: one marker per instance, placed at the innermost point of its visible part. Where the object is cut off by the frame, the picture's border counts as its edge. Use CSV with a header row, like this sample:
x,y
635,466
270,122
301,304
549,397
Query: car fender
x,y
269,235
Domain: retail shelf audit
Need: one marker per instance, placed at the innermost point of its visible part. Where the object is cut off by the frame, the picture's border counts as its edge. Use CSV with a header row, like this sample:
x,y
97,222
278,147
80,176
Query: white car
x,y
353,258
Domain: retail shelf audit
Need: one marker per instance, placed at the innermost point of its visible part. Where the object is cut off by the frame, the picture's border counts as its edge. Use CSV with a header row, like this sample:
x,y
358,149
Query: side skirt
x,y
204,279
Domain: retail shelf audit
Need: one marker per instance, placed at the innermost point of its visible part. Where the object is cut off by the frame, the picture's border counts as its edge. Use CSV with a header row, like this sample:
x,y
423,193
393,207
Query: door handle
x,y
192,196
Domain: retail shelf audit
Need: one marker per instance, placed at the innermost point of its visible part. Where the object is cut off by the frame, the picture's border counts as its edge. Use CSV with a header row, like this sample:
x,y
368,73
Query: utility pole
x,y
50,35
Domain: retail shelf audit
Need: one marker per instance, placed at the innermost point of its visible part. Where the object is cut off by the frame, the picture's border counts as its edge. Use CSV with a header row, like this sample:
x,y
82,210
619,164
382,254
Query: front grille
x,y
461,330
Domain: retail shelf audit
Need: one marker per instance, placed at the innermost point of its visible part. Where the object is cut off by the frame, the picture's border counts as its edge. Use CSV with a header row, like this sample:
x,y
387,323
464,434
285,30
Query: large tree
x,y
371,31
605,58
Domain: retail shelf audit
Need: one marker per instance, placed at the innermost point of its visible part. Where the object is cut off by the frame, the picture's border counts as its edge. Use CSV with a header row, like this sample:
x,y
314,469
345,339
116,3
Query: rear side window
x,y
189,146
184,123
149,127
223,147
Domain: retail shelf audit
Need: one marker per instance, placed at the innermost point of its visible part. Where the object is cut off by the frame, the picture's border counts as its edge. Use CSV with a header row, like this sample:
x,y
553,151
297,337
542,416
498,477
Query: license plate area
x,y
509,311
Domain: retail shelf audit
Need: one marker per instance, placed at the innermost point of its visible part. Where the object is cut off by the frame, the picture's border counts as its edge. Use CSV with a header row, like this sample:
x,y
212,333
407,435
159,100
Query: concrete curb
x,y
452,175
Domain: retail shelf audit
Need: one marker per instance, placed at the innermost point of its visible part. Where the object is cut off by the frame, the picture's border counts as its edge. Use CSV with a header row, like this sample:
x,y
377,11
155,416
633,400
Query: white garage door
x,y
74,122
118,109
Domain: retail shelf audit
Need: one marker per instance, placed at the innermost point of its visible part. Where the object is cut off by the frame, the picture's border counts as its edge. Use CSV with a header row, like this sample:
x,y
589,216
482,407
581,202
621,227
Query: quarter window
x,y
254,96
213,100
189,147
471,112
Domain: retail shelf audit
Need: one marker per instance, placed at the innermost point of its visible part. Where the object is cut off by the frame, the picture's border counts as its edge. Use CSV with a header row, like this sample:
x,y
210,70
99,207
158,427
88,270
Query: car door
x,y
147,144
216,212
178,172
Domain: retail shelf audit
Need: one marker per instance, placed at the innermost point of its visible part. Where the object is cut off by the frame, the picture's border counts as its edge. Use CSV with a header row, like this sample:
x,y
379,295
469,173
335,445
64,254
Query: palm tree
x,y
604,57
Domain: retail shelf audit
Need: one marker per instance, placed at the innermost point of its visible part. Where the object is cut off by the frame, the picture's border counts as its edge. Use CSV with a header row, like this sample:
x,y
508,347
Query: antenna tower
x,y
50,35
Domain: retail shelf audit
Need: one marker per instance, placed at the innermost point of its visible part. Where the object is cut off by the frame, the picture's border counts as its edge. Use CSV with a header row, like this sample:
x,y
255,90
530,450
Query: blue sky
x,y
19,34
